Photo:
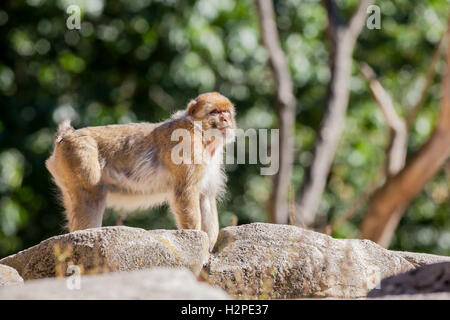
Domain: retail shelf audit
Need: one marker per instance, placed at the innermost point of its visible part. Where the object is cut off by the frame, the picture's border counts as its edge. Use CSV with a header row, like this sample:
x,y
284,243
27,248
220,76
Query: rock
x,y
156,283
9,276
426,279
261,260
109,249
420,259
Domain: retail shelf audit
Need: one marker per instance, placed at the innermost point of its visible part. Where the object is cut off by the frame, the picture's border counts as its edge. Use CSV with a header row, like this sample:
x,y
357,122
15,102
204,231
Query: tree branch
x,y
398,141
343,39
397,147
389,202
429,75
358,18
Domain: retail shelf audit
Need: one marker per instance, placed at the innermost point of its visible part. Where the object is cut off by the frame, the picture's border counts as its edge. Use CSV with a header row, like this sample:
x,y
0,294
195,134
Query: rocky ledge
x,y
255,261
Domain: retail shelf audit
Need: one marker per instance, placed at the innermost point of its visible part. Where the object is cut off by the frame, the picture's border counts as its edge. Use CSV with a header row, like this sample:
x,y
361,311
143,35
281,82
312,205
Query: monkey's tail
x,y
63,129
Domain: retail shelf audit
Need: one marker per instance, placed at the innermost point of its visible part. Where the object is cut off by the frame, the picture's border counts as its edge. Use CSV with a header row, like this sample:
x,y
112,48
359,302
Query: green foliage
x,y
141,60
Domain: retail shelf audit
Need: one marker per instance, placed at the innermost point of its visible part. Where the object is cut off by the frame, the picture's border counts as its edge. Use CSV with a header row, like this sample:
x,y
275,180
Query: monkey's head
x,y
215,112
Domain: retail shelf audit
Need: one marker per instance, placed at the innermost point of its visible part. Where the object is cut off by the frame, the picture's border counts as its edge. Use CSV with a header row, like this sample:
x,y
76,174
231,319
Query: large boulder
x,y
9,276
261,260
427,279
110,249
156,283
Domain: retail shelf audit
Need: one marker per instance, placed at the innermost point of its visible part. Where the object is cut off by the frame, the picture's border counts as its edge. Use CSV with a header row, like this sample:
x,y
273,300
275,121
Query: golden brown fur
x,y
130,167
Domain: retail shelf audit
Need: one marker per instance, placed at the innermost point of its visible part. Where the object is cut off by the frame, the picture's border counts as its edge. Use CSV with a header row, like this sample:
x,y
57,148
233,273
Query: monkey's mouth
x,y
223,128
227,131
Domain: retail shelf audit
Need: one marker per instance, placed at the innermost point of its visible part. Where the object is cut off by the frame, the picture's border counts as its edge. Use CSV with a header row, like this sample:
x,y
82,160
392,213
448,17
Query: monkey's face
x,y
216,113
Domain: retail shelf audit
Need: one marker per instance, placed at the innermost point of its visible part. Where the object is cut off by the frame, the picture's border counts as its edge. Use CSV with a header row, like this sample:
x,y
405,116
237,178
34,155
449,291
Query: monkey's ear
x,y
192,105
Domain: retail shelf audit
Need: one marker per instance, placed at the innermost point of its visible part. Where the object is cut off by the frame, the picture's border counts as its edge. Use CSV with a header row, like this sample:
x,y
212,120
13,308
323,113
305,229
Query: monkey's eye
x,y
215,111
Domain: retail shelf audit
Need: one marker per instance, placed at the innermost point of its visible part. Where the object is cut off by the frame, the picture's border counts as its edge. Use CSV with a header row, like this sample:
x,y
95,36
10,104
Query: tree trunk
x,y
278,201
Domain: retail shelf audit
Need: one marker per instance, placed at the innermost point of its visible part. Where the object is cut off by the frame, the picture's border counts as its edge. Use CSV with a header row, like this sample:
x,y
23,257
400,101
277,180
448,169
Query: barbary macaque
x,y
132,166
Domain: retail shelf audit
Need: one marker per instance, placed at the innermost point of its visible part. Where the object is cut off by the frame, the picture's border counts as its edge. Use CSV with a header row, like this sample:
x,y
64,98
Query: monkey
x,y
131,166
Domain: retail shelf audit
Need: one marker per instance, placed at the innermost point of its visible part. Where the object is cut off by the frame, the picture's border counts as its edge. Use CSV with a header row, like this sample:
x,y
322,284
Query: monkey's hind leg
x,y
85,208
76,169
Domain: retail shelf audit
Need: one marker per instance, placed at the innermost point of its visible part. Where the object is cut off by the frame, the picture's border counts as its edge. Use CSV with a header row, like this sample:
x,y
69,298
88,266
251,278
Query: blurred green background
x,y
140,60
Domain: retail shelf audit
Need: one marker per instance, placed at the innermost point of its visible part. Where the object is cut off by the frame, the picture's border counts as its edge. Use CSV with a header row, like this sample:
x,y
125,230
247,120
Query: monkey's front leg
x,y
185,206
210,219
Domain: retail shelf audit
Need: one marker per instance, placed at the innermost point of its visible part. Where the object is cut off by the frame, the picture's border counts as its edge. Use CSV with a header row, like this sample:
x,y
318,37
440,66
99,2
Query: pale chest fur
x,y
214,178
